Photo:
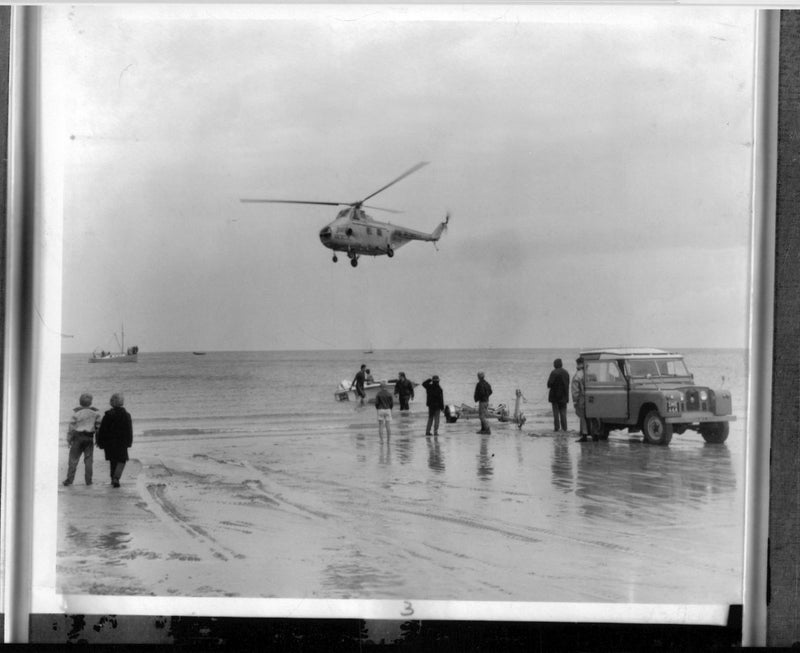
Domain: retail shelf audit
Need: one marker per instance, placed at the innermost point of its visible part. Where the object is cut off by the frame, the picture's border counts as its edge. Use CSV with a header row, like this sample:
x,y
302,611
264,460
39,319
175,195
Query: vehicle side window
x,y
604,372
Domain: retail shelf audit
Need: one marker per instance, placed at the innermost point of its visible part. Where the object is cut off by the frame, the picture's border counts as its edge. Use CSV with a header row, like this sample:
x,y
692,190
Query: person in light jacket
x,y
82,427
579,398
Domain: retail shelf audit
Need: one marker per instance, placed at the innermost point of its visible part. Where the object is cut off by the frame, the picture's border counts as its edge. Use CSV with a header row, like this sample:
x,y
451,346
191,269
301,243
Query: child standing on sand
x,y
83,425
384,404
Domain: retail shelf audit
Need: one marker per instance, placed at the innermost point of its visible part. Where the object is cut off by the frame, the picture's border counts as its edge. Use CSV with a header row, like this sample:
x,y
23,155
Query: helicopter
x,y
355,232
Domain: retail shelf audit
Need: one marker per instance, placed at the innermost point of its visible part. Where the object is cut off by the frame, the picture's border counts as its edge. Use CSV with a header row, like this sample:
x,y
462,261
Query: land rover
x,y
652,391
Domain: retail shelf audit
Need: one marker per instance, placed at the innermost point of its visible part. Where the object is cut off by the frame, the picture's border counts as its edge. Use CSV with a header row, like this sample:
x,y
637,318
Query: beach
x,y
519,515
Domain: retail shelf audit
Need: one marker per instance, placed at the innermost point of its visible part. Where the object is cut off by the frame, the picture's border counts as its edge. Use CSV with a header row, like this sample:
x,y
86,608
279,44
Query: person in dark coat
x,y
404,389
358,383
559,394
482,393
435,403
116,436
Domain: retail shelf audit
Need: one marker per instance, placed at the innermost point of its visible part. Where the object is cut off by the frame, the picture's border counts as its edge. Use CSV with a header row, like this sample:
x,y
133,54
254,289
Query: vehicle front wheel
x,y
655,429
715,432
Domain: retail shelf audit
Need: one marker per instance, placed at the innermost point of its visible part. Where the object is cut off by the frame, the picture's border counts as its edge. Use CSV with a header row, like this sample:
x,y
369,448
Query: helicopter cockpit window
x,y
369,231
380,231
342,213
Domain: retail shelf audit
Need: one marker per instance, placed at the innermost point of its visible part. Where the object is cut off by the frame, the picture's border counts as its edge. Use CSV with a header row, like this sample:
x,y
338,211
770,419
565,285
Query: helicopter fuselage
x,y
355,232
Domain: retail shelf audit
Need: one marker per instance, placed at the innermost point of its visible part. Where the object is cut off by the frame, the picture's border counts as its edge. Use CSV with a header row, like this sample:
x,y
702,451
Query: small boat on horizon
x,y
129,355
199,353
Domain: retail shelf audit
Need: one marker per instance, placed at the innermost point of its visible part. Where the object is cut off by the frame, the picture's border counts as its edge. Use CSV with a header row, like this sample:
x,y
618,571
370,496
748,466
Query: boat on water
x,y
199,353
345,393
129,355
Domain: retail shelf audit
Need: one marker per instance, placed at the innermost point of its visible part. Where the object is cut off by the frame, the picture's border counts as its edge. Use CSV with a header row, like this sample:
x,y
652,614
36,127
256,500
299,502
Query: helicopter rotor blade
x,y
379,208
391,183
260,201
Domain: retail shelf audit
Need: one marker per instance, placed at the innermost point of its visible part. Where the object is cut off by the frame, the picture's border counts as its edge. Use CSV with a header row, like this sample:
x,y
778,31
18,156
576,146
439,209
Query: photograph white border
x,y
32,364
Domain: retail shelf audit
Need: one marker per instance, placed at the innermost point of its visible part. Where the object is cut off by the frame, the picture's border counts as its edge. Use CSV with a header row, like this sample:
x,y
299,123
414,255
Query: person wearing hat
x,y
482,393
435,403
384,404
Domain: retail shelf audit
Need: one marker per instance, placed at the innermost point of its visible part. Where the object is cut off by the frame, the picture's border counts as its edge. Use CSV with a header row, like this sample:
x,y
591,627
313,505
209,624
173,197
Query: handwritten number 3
x,y
408,611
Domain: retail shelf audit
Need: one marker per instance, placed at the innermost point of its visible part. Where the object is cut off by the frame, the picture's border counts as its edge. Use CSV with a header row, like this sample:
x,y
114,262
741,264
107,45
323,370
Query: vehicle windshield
x,y
666,367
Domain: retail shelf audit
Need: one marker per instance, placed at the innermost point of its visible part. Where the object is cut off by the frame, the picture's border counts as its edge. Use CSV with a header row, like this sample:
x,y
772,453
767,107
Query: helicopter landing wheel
x,y
389,252
354,261
335,258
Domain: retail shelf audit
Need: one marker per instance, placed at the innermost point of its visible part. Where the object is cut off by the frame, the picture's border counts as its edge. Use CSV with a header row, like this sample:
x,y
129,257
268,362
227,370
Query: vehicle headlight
x,y
673,402
703,395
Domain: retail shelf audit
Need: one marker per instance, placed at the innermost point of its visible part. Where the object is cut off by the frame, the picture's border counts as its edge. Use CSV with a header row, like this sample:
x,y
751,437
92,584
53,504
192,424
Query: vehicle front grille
x,y
693,401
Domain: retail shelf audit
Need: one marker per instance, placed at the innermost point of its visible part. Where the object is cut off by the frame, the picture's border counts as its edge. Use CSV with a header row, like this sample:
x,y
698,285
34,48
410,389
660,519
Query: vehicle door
x,y
606,390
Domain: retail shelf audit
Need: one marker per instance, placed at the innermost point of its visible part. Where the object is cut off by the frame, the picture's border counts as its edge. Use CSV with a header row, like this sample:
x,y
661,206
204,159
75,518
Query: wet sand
x,y
520,515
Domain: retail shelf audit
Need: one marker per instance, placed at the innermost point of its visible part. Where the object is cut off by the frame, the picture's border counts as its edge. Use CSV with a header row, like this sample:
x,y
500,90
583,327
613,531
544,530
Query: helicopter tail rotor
x,y
437,233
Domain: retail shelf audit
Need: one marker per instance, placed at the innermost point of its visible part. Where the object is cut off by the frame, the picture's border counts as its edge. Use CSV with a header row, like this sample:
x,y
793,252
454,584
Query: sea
x,y
249,479
236,393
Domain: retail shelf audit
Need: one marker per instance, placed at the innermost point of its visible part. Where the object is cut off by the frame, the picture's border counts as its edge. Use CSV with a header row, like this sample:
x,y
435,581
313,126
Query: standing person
x,y
358,384
384,404
559,394
435,403
116,436
579,398
404,389
482,393
83,425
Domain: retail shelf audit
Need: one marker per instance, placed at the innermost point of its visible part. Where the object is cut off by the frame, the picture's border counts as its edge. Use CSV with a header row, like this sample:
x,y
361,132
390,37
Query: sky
x,y
596,162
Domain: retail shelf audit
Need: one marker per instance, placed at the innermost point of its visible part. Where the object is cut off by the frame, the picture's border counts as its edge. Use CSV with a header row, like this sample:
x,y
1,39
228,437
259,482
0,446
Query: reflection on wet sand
x,y
561,465
435,458
485,470
638,474
513,515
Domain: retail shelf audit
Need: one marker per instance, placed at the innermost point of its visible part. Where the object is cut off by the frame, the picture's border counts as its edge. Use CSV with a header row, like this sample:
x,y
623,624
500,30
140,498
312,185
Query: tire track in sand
x,y
155,493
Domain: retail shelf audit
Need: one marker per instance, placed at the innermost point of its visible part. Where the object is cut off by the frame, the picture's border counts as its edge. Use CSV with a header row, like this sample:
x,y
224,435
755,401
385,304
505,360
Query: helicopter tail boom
x,y
402,236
